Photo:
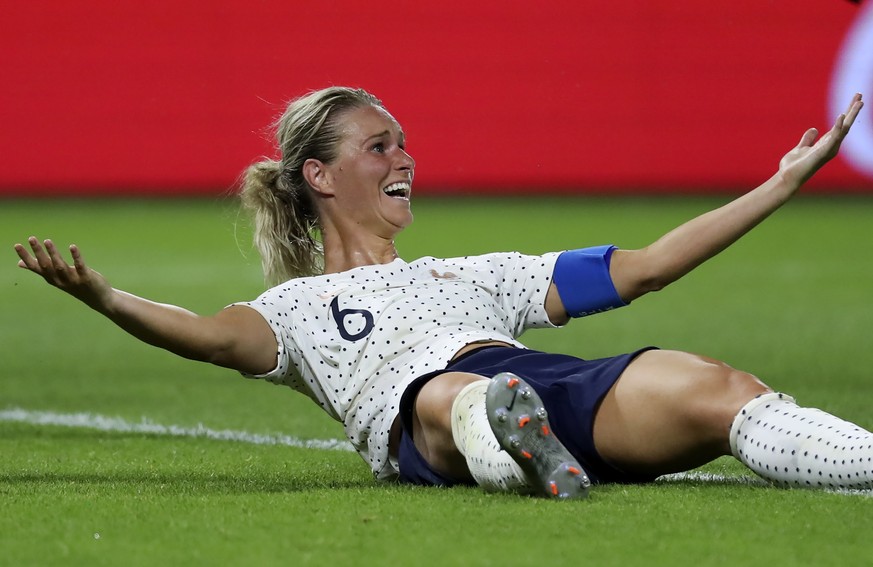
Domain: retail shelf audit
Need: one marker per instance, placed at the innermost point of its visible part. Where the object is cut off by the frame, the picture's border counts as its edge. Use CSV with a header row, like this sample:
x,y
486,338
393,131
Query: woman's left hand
x,y
801,163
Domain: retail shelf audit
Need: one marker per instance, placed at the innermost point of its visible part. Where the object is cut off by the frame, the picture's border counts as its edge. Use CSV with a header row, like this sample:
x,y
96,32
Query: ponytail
x,y
285,224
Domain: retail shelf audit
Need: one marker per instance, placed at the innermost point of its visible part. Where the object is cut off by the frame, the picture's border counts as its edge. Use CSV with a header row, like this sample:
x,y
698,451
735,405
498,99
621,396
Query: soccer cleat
x,y
520,423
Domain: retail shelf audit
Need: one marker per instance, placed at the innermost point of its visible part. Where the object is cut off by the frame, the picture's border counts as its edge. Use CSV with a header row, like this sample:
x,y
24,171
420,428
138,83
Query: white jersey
x,y
352,341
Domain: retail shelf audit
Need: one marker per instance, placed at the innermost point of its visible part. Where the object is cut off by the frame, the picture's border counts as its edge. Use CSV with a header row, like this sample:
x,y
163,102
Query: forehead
x,y
366,121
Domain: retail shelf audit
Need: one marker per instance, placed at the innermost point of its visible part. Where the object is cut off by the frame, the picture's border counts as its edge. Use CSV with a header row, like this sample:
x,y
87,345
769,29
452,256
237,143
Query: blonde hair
x,y
286,225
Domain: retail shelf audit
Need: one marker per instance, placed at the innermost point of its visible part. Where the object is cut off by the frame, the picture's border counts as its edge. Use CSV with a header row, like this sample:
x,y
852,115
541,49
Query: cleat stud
x,y
542,414
502,415
526,394
523,420
514,442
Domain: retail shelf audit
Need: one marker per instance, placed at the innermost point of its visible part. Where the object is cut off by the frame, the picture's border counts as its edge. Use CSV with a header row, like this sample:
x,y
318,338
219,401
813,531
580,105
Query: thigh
x,y
671,411
431,423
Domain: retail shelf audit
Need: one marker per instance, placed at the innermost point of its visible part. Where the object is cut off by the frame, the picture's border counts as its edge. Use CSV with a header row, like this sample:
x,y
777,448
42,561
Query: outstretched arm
x,y
237,337
636,272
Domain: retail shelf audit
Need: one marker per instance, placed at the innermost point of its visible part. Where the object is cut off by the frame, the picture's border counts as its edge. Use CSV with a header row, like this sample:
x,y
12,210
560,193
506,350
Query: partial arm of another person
x,y
637,272
236,337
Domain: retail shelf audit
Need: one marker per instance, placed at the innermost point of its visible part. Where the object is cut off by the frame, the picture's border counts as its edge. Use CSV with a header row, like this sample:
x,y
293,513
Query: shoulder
x,y
504,261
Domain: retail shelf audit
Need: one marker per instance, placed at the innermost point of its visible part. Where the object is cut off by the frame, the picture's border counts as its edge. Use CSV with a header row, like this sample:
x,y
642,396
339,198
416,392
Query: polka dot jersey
x,y
352,341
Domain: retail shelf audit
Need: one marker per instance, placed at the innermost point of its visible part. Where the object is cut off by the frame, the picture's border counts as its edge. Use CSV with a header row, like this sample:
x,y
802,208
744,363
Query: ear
x,y
317,176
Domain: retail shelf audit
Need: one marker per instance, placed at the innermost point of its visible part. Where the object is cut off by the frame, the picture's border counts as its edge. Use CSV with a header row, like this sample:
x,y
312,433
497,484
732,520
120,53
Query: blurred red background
x,y
107,97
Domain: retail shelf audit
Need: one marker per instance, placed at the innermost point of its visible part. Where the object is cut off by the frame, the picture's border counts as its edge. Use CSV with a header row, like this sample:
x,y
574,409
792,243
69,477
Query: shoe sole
x,y
520,423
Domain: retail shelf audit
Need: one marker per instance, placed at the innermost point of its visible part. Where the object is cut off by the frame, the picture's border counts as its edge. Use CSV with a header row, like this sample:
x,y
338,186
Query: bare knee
x,y
671,411
721,393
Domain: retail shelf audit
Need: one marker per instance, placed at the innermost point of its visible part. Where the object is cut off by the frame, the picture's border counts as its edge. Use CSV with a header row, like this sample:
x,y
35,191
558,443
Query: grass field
x,y
124,476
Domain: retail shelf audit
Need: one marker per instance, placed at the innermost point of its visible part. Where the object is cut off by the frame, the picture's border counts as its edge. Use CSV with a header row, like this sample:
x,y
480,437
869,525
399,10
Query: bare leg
x,y
671,411
432,423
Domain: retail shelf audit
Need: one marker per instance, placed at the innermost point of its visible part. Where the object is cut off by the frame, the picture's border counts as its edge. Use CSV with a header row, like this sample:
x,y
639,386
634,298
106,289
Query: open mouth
x,y
399,190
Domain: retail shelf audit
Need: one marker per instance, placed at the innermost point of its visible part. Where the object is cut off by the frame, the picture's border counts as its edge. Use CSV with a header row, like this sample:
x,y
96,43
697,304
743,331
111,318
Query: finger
x,y
808,138
855,99
22,251
78,261
845,120
852,112
26,259
58,262
42,260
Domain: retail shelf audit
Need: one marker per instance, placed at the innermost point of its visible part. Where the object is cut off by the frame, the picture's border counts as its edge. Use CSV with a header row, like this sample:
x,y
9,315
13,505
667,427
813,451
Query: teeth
x,y
400,189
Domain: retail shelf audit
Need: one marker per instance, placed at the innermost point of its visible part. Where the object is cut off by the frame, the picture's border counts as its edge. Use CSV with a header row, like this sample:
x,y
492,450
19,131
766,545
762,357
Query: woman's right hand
x,y
77,279
237,337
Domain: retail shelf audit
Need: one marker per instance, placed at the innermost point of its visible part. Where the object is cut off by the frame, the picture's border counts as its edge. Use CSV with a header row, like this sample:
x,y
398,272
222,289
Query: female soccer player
x,y
420,360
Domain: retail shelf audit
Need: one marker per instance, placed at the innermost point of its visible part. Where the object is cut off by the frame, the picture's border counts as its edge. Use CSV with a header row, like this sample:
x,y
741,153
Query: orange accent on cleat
x,y
550,469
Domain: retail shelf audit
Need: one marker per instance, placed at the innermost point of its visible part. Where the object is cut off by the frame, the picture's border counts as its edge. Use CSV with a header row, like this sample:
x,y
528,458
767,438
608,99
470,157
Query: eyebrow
x,y
384,133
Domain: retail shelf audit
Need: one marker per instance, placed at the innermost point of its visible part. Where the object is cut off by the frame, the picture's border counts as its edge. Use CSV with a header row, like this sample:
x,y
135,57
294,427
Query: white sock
x,y
804,447
492,467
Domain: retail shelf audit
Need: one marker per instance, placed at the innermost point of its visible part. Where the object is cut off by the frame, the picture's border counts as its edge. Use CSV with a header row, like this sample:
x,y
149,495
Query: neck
x,y
344,254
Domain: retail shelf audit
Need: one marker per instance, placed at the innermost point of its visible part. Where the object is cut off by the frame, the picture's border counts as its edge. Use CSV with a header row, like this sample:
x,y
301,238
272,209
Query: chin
x,y
402,223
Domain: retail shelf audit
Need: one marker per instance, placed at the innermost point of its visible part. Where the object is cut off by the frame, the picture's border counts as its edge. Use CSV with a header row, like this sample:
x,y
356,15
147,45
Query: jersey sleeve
x,y
284,370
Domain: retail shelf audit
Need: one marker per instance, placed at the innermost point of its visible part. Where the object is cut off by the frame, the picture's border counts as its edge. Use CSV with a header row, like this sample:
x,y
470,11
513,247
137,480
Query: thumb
x,y
808,138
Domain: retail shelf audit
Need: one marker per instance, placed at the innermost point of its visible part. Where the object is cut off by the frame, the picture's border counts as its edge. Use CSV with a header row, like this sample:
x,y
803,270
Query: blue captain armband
x,y
583,282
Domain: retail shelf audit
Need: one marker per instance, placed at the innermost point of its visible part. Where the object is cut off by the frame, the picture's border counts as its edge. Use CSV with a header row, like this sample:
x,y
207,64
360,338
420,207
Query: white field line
x,y
697,476
702,477
145,426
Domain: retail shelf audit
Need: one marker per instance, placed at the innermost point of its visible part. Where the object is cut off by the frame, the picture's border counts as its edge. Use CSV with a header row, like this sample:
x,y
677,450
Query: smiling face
x,y
369,183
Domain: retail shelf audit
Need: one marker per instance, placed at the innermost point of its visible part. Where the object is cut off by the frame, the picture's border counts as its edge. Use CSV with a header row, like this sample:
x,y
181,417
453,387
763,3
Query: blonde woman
x,y
421,360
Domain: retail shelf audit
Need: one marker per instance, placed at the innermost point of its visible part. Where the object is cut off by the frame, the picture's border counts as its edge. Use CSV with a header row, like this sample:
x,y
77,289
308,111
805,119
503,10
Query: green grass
x,y
790,303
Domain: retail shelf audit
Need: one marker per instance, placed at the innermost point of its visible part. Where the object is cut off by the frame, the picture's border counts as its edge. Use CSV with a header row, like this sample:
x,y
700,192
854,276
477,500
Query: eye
x,y
379,148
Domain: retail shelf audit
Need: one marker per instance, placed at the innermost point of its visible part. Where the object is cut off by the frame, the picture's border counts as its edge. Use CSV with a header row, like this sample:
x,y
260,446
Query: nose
x,y
405,161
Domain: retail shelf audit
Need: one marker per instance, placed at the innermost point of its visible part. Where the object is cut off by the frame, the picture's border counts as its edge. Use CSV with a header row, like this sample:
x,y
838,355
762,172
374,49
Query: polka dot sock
x,y
491,466
795,446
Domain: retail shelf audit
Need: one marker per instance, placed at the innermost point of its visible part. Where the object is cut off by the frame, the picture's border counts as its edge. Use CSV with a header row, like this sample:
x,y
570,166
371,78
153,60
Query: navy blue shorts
x,y
571,389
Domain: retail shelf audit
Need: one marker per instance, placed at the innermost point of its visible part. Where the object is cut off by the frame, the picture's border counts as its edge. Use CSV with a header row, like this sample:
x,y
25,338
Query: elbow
x,y
655,284
644,272
218,356
642,288
256,358
217,348
638,272
645,283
